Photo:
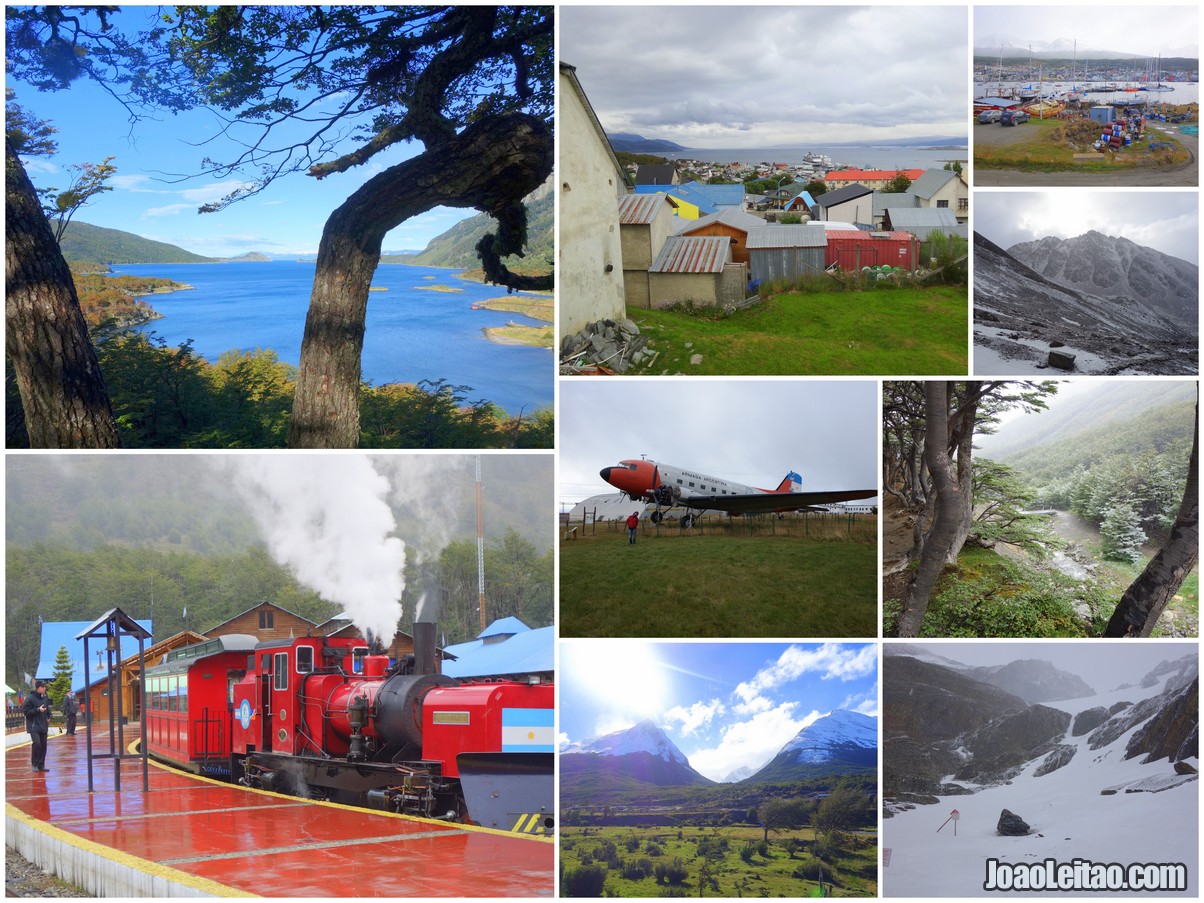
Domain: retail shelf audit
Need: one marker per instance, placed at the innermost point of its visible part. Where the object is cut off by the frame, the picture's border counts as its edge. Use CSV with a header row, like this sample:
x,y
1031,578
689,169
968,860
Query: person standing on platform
x,y
37,722
70,710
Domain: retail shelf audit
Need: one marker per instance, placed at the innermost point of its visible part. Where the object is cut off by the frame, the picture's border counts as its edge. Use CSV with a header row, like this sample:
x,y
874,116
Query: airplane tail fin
x,y
792,482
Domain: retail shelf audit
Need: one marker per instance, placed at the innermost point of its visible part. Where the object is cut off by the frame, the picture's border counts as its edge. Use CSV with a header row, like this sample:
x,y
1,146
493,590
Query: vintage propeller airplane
x,y
669,486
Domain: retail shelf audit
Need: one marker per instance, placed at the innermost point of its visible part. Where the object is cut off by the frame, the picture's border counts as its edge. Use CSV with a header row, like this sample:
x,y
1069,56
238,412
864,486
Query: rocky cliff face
x,y
938,721
1109,266
1021,315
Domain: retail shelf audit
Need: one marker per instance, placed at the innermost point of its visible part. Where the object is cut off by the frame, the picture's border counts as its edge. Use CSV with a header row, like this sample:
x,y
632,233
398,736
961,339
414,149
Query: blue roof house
x,y
505,647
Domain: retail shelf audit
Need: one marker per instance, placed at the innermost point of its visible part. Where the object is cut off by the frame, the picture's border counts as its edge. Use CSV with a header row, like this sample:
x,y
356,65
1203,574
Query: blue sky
x,y
723,704
149,199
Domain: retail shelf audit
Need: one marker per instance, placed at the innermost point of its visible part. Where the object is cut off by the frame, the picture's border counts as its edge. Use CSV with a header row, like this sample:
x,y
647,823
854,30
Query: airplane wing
x,y
765,502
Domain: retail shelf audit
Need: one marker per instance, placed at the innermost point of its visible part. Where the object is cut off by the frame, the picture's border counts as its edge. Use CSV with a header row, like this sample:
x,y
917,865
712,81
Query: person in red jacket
x,y
633,525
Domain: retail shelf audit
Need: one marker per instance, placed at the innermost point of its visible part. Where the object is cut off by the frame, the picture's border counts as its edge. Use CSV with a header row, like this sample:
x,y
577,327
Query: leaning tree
x,y
322,90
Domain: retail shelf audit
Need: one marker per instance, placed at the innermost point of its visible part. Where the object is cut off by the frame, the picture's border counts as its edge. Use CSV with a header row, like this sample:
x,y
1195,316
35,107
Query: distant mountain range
x,y
840,743
639,755
637,144
993,46
86,243
625,142
1110,265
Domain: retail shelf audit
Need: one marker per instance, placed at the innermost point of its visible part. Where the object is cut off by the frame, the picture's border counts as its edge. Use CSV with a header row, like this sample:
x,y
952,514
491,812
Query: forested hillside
x,y
457,246
84,242
1130,412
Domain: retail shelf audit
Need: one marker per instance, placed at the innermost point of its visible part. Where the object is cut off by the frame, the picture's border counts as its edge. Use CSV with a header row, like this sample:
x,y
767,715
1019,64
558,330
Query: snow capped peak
x,y
644,737
839,728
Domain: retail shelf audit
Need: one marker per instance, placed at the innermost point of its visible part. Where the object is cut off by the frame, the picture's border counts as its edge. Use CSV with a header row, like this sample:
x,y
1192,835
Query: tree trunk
x,y
487,166
962,440
62,389
1144,601
948,514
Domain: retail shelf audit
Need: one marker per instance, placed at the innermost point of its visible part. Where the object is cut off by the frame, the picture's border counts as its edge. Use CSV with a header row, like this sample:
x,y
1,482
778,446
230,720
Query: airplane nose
x,y
604,473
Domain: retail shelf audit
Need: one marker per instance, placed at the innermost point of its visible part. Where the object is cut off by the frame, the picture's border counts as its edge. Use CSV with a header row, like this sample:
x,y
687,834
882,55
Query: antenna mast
x,y
480,546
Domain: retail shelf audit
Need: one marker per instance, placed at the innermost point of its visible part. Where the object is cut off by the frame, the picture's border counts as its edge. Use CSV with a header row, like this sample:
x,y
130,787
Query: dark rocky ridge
x,y
1106,265
1020,315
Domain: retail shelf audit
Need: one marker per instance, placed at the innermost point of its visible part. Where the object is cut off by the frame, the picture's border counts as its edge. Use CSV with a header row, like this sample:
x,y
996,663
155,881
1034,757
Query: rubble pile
x,y
605,346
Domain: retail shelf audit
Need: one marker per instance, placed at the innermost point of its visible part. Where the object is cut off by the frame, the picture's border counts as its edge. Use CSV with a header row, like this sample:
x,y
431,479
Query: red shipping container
x,y
854,250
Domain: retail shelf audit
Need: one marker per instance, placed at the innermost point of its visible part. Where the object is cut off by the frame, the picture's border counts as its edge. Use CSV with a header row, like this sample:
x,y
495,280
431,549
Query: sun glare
x,y
619,677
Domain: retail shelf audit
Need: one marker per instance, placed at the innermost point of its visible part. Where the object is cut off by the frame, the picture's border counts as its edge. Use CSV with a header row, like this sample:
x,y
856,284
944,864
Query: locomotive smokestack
x,y
424,647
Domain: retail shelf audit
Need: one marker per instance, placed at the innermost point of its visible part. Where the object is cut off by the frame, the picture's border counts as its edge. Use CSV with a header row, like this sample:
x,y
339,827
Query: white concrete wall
x,y
590,261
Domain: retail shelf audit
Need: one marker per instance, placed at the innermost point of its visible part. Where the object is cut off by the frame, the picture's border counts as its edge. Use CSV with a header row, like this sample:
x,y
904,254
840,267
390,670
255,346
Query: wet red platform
x,y
224,840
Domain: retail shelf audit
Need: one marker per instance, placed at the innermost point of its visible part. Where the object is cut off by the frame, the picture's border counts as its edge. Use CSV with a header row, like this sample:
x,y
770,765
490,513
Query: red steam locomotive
x,y
323,718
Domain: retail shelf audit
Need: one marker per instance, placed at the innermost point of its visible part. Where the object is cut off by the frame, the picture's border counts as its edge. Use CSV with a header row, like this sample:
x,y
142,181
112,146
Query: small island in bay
x,y
515,334
437,287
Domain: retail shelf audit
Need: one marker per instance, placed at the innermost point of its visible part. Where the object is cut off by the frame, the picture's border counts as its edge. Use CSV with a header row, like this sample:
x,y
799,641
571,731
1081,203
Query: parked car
x,y
990,115
1013,117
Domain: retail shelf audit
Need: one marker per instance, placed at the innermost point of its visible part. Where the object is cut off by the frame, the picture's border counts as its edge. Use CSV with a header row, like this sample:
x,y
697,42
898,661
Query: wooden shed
x,y
727,223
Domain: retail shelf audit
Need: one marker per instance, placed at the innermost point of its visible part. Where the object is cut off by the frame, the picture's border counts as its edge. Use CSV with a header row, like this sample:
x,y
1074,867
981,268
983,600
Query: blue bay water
x,y
412,333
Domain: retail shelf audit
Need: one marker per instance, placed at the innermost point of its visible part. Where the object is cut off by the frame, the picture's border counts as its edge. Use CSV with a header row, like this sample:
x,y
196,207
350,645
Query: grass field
x,y
872,332
812,577
789,865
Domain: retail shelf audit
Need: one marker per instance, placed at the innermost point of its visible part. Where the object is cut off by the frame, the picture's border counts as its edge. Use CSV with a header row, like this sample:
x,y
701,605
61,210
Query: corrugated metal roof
x,y
884,199
685,254
904,218
795,236
728,216
863,236
641,209
840,195
932,181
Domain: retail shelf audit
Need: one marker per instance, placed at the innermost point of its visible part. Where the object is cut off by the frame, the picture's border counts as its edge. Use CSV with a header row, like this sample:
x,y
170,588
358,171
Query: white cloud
x,y
753,742
830,661
41,167
695,716
169,210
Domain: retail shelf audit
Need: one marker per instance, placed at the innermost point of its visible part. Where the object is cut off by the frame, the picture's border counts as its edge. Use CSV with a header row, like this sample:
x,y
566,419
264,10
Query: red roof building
x,y
870,178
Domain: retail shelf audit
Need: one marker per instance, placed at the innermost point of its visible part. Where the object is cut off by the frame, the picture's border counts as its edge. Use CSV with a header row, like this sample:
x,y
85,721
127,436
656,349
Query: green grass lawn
x,y
849,871
873,332
720,584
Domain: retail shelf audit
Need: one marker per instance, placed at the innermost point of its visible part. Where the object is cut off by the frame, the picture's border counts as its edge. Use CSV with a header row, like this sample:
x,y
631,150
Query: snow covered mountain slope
x,y
1020,315
840,742
1105,265
1117,790
642,753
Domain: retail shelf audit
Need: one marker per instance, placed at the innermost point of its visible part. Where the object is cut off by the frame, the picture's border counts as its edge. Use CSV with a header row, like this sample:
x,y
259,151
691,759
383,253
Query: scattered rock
x,y
615,345
1012,825
695,360
1184,768
1061,359
1060,756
